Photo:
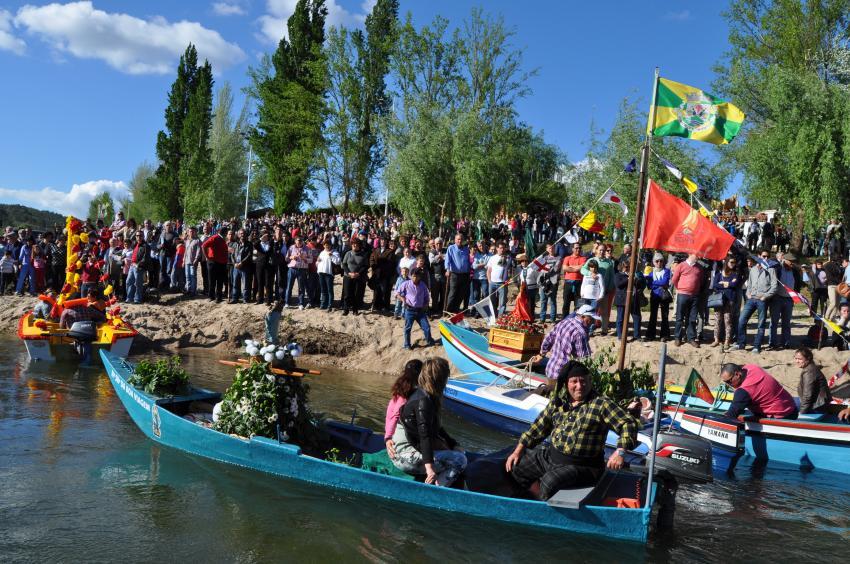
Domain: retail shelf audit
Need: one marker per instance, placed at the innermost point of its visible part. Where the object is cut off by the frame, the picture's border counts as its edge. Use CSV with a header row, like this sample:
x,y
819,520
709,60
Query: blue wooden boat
x,y
468,351
582,511
813,441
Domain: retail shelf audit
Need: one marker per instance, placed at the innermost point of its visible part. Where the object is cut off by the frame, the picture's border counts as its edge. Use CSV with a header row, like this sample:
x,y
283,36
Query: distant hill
x,y
23,216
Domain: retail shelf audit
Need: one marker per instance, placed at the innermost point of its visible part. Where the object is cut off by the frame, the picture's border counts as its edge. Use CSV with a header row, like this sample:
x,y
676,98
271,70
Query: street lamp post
x,y
248,185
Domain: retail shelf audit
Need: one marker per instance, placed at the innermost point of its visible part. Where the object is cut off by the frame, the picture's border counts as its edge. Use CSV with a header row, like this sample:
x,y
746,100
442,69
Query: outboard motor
x,y
686,457
83,333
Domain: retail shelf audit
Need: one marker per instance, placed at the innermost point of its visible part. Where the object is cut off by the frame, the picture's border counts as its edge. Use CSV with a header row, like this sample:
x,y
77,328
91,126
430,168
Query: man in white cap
x,y
568,340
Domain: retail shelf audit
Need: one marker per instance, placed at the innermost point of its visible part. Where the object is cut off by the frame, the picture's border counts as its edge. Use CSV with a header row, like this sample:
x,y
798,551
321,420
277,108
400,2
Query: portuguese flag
x,y
697,387
685,111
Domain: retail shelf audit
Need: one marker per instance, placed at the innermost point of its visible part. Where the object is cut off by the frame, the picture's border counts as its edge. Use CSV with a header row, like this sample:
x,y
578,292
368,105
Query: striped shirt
x,y
581,430
567,340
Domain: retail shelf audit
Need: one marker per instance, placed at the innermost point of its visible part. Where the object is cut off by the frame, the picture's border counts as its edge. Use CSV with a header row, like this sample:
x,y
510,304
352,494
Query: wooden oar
x,y
304,370
273,370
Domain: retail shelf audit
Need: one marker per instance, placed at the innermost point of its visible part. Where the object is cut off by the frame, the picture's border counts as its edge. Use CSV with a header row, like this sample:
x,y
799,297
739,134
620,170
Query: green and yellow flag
x,y
685,111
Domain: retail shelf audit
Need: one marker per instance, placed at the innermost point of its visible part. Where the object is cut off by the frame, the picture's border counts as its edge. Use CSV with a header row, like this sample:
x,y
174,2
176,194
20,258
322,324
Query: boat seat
x,y
571,498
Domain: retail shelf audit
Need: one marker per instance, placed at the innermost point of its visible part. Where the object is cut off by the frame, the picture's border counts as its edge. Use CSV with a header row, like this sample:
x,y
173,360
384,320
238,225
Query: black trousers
x,y
352,292
458,291
541,464
437,286
265,279
217,272
205,276
655,304
280,285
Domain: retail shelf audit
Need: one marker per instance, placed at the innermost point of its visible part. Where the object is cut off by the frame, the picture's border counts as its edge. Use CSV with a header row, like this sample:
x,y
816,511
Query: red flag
x,y
457,318
521,307
673,225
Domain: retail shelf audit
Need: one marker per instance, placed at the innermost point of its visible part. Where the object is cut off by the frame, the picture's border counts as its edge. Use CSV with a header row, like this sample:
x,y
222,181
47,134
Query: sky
x,y
85,83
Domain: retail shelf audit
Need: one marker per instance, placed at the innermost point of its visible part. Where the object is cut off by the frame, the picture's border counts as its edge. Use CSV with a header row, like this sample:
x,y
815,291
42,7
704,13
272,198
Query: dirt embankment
x,y
373,342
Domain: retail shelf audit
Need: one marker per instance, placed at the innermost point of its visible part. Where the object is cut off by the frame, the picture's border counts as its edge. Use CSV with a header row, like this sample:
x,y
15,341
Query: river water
x,y
79,482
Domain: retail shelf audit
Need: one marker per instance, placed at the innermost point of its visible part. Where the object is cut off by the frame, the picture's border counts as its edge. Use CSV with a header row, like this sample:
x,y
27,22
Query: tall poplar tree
x,y
182,148
291,106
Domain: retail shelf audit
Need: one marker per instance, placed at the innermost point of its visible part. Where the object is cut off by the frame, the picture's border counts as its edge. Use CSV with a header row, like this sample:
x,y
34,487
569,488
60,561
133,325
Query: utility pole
x,y
248,185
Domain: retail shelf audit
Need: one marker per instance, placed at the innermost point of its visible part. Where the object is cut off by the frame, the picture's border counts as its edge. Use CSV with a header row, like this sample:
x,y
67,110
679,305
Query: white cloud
x,y
124,42
273,24
74,202
228,9
681,16
9,42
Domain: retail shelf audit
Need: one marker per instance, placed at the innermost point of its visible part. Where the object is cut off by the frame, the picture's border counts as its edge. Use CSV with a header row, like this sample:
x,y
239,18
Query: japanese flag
x,y
611,197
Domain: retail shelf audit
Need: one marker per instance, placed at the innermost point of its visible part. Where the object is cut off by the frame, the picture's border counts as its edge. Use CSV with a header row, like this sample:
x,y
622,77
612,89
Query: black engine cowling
x,y
686,457
83,331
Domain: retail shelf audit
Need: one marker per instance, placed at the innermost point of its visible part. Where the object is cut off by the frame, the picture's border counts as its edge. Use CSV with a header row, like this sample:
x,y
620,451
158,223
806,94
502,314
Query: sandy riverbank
x,y
372,342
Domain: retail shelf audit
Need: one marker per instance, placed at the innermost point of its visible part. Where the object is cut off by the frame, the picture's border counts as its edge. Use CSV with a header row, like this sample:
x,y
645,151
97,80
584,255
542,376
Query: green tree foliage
x,y
291,106
357,100
787,69
456,145
185,167
142,204
229,156
196,165
101,207
602,166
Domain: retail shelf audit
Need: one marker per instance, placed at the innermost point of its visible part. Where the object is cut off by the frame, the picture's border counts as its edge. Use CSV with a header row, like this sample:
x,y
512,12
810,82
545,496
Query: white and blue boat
x,y
585,510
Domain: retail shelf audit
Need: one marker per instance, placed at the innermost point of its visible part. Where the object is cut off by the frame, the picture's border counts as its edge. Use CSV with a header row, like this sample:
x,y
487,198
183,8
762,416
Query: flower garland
x,y
511,321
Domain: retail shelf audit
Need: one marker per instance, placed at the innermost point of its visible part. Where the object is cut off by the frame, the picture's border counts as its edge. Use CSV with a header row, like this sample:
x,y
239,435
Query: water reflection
x,y
79,482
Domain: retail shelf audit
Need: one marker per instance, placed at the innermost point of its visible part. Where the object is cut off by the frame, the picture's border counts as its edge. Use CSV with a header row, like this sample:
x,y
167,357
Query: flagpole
x,y
642,180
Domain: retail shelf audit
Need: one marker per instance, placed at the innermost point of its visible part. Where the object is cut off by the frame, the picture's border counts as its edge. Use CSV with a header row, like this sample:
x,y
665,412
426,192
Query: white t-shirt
x,y
406,262
498,272
592,288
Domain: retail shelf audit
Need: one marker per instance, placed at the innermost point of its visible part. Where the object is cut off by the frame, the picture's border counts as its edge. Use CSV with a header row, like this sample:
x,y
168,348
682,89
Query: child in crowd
x,y
7,271
178,273
592,286
399,303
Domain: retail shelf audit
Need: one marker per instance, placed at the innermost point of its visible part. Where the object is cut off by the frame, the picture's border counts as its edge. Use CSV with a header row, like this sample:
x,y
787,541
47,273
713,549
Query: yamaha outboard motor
x,y
83,333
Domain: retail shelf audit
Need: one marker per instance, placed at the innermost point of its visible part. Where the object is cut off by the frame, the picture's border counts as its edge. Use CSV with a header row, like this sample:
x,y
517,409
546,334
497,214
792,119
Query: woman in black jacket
x,y
422,446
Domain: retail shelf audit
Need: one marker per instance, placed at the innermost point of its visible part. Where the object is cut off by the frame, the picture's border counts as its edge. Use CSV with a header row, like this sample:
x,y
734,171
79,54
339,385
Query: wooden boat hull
x,y
810,442
468,351
280,459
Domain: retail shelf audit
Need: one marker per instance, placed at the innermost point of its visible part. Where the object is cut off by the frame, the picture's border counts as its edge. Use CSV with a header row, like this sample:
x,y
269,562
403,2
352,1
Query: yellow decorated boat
x,y
46,339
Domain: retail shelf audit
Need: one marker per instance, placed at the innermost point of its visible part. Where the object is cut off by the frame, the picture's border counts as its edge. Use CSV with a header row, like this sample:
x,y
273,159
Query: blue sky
x,y
85,83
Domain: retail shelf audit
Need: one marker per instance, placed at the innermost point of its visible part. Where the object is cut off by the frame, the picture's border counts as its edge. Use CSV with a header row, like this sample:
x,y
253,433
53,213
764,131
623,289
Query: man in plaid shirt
x,y
568,340
576,421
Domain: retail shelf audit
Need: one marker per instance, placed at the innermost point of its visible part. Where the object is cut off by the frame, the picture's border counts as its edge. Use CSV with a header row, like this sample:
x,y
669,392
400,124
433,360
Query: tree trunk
x,y
796,245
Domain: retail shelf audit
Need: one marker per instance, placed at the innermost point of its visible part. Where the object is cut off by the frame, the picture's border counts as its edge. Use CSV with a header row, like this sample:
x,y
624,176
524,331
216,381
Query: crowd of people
x,y
301,260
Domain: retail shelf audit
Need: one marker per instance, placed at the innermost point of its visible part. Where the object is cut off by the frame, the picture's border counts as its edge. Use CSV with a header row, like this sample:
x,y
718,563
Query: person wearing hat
x,y
568,340
782,306
576,422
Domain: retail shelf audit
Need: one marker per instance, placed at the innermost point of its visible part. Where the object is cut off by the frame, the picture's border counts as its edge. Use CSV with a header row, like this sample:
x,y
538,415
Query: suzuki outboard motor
x,y
686,457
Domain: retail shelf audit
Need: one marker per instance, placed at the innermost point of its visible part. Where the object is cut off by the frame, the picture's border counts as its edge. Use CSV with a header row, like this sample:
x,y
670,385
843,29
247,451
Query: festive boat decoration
x,y
45,340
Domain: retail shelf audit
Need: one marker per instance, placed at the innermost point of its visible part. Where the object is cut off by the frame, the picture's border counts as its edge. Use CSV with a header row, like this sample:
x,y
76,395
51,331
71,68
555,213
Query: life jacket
x,y
768,397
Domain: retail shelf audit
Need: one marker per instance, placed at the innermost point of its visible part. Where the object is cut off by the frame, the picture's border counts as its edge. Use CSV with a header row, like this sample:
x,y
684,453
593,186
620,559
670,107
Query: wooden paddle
x,y
304,370
273,370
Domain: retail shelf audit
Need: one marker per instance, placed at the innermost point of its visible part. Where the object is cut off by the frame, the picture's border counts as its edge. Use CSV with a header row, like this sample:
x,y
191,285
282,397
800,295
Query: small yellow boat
x,y
46,340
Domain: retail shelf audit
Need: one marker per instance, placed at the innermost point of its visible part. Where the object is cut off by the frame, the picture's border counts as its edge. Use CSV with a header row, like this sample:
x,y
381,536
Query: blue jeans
x,y
191,279
500,300
27,271
781,310
299,274
635,315
165,266
751,306
326,291
551,301
135,284
420,316
686,314
240,283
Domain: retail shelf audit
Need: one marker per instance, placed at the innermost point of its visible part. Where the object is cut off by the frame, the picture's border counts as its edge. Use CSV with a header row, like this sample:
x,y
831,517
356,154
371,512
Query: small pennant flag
x,y
672,168
590,223
457,318
797,297
690,185
538,264
836,328
631,167
697,387
485,310
611,197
